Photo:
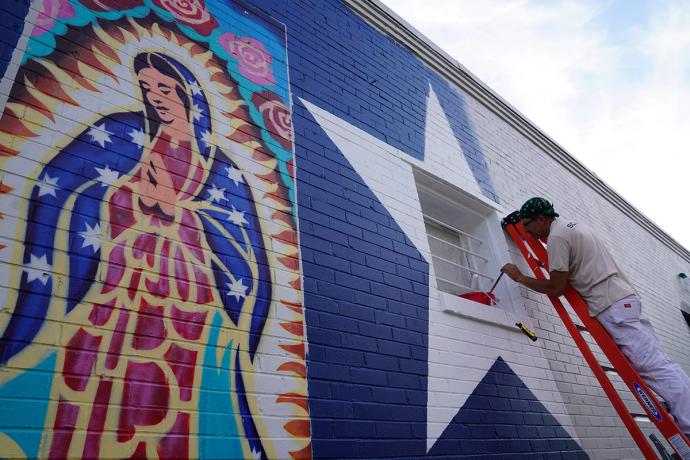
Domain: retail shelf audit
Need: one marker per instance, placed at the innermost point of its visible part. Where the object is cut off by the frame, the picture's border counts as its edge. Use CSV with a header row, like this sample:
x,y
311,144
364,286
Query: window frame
x,y
487,221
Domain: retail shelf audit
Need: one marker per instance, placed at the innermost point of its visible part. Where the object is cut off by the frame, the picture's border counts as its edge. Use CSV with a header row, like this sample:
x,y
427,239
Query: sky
x,y
609,80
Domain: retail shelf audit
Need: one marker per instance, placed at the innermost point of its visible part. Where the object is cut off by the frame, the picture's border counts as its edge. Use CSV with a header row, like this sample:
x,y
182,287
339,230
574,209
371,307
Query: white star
x,y
195,112
237,289
255,455
216,194
207,138
362,151
194,87
237,217
100,135
38,269
92,237
107,176
47,186
235,174
138,137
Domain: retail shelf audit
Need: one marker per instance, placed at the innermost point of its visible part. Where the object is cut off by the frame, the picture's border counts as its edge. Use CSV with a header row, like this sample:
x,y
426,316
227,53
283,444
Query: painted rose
x,y
192,13
253,60
50,11
111,5
276,117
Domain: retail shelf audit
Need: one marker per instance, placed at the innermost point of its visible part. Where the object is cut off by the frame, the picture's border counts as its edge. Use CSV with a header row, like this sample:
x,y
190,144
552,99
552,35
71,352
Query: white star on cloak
x,y
235,175
237,289
47,185
38,269
207,138
99,134
138,137
363,150
194,87
216,194
92,237
237,217
107,176
195,112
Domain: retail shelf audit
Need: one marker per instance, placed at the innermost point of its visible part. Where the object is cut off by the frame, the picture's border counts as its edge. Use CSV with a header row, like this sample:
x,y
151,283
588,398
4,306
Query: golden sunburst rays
x,y
90,75
97,59
288,327
287,303
253,156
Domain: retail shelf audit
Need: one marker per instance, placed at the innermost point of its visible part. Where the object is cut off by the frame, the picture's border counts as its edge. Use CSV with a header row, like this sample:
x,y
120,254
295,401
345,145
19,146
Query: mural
x,y
148,197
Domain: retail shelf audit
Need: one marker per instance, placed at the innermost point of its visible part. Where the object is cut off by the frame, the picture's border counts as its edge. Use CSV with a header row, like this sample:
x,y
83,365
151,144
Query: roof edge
x,y
392,25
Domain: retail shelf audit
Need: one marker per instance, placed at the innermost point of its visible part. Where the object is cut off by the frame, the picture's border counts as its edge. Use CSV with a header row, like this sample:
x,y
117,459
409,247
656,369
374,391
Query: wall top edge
x,y
388,22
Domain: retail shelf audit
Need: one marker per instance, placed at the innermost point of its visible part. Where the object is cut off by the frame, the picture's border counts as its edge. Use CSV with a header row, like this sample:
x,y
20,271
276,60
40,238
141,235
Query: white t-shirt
x,y
573,248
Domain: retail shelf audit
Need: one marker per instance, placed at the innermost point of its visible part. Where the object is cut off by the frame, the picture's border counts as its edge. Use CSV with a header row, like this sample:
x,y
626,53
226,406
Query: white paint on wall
x,y
461,348
442,153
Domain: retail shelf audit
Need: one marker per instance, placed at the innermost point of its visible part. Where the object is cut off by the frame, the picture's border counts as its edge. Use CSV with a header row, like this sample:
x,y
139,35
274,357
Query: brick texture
x,y
389,373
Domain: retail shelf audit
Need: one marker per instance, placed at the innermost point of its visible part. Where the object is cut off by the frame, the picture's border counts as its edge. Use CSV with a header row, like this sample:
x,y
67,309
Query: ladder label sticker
x,y
647,401
680,446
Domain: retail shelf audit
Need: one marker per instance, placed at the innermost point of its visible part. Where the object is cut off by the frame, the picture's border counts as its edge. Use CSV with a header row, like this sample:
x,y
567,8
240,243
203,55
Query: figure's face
x,y
161,94
538,226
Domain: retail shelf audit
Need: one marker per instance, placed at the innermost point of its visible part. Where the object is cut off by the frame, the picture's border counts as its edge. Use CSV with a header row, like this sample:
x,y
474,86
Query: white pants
x,y
633,333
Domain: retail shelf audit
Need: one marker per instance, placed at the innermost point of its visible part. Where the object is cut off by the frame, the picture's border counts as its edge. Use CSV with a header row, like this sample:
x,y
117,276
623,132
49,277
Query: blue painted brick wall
x,y
340,63
11,28
366,285
360,354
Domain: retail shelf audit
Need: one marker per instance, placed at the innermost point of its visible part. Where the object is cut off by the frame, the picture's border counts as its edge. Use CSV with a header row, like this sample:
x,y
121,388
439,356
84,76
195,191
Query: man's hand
x,y
554,285
512,271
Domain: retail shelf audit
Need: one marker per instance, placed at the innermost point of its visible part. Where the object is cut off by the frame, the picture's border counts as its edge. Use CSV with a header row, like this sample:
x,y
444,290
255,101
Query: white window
x,y
463,233
456,256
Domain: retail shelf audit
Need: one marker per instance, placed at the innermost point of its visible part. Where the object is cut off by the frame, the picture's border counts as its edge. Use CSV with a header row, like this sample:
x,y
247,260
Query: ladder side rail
x,y
637,386
618,404
649,402
645,396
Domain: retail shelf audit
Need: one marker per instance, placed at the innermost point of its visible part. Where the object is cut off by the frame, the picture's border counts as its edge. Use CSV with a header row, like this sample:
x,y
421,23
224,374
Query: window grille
x,y
458,265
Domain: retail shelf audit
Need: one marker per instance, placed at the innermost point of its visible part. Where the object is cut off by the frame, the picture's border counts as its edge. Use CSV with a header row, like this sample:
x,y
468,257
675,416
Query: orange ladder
x,y
536,256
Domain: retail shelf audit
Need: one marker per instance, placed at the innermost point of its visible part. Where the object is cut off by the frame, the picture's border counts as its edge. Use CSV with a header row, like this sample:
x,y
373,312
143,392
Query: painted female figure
x,y
168,287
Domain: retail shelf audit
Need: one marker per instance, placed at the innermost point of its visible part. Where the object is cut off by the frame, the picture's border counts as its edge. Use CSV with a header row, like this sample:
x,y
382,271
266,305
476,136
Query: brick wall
x,y
151,288
390,372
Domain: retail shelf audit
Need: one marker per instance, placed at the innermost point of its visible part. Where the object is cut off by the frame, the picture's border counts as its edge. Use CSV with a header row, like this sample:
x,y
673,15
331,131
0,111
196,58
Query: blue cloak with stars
x,y
83,171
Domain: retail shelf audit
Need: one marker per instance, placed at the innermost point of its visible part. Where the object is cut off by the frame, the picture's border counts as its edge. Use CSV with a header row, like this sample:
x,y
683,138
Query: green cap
x,y
537,206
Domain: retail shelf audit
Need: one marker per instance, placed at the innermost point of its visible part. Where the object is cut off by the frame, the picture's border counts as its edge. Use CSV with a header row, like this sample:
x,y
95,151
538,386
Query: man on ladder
x,y
578,257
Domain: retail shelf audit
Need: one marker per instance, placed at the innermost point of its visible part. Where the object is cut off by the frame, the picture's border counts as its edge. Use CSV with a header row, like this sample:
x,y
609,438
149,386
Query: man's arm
x,y
553,286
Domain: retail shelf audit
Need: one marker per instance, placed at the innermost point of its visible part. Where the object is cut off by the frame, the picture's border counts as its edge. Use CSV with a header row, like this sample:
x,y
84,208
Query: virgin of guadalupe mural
x,y
158,252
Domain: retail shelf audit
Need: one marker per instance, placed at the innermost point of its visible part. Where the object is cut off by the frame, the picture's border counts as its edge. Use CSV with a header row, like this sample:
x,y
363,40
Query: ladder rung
x,y
534,252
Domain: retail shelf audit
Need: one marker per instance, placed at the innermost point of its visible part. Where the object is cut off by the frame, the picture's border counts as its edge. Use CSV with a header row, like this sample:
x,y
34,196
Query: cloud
x,y
534,55
616,96
637,136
